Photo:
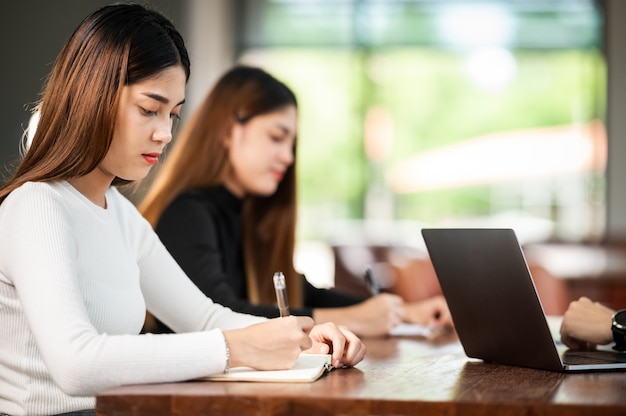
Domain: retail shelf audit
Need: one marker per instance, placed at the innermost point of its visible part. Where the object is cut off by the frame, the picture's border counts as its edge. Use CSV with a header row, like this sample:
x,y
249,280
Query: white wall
x,y
209,35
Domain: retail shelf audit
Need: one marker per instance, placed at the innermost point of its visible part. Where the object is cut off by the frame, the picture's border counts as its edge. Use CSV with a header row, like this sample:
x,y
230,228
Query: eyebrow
x,y
160,98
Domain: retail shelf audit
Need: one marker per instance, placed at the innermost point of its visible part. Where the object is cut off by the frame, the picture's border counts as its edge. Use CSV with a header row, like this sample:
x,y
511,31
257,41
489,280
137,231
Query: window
x,y
486,113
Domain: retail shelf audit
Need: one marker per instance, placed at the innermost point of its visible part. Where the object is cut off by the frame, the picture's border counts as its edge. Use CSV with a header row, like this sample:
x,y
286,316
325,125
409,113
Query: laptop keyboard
x,y
593,357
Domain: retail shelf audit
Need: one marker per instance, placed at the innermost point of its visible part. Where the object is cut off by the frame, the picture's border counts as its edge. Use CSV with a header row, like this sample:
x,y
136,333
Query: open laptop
x,y
494,304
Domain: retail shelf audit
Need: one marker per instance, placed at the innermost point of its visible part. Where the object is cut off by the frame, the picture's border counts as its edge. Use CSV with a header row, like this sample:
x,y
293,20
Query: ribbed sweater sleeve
x,y
75,280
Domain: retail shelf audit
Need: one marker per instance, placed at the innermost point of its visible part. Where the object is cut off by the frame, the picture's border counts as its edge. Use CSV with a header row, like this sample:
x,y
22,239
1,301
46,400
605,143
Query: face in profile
x,y
260,151
144,124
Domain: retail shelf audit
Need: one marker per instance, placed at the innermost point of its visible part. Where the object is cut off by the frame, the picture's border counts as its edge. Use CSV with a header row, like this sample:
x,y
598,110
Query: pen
x,y
371,282
281,293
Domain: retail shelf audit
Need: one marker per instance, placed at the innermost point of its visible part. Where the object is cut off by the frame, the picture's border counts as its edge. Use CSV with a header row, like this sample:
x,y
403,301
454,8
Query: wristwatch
x,y
618,326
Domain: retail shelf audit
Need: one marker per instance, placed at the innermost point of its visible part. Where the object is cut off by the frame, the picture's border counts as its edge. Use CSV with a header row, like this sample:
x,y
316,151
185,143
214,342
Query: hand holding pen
x,y
371,282
346,348
429,312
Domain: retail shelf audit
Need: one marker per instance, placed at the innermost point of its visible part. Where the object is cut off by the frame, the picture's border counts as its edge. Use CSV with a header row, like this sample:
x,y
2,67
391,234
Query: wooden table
x,y
400,376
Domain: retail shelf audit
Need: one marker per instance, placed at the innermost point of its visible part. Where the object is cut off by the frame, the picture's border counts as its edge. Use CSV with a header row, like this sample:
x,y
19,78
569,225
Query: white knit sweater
x,y
75,282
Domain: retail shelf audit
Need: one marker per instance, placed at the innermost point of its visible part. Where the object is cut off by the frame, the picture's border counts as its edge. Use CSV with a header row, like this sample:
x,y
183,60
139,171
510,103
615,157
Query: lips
x,y
278,174
151,158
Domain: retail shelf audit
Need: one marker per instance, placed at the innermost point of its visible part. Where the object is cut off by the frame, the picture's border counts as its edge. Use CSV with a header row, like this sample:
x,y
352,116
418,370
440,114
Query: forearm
x,y
348,317
373,317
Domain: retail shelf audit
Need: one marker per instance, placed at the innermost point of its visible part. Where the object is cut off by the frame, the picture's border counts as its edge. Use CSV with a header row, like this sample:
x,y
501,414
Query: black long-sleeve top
x,y
202,230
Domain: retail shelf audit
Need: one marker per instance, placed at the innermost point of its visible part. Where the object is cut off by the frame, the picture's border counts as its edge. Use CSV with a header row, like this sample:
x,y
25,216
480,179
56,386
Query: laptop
x,y
494,304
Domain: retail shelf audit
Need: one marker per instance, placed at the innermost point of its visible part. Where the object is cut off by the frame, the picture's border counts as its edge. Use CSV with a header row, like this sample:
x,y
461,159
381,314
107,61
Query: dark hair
x,y
263,92
200,159
114,46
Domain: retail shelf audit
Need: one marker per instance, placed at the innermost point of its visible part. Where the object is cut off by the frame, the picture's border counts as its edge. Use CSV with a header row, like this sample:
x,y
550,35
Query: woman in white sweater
x,y
79,266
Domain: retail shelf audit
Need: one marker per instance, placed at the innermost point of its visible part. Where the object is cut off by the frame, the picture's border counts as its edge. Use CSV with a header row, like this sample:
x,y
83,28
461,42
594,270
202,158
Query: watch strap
x,y
620,341
619,332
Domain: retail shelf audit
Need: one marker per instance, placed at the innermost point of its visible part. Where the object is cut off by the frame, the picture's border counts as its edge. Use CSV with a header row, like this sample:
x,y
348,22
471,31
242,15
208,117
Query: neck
x,y
234,189
93,186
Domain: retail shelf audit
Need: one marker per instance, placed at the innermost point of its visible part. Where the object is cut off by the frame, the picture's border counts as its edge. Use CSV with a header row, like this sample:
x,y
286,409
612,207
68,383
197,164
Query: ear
x,y
234,135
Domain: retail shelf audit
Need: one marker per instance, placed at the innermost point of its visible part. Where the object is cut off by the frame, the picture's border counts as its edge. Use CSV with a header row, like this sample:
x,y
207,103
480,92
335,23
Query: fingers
x,y
565,338
305,322
377,315
394,305
346,348
305,325
439,312
432,312
319,348
576,344
586,324
443,318
333,336
354,350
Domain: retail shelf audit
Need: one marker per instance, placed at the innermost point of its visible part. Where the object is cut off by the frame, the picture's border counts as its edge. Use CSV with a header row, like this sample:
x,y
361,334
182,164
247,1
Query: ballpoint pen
x,y
371,281
281,293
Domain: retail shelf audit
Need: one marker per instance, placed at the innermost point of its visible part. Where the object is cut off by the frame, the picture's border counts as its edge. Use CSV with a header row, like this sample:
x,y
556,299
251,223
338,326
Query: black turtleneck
x,y
202,230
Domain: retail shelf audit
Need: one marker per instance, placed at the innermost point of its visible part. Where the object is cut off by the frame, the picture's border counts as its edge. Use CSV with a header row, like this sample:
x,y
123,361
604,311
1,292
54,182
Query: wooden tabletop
x,y
400,376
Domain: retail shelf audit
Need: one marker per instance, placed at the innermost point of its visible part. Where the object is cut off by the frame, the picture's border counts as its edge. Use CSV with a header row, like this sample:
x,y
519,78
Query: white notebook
x,y
307,368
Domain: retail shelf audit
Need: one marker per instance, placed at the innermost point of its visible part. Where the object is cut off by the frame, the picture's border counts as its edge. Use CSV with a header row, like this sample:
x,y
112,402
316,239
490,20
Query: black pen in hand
x,y
371,281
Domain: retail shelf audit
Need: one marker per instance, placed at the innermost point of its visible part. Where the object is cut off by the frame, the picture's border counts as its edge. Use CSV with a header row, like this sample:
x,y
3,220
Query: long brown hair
x,y
114,46
199,159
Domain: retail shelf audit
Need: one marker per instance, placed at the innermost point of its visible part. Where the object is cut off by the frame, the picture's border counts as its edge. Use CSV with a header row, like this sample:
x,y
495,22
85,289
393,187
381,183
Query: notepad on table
x,y
406,329
307,368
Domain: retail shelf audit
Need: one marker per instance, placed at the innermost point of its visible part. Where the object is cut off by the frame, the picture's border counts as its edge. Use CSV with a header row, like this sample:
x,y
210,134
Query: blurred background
x,y
413,113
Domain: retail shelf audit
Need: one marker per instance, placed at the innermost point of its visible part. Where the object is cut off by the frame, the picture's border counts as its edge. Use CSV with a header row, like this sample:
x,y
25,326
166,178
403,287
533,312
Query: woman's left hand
x,y
346,348
586,324
430,312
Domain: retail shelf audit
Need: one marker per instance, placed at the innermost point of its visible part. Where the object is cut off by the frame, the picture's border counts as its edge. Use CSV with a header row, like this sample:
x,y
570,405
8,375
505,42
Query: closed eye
x,y
147,112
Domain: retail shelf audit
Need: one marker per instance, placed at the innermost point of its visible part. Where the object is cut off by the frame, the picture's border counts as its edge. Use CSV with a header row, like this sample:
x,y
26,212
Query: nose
x,y
286,155
163,132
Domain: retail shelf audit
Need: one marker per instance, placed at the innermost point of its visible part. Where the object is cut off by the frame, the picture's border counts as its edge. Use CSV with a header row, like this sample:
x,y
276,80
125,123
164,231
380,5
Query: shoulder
x,y
34,208
193,202
200,195
34,189
193,212
36,195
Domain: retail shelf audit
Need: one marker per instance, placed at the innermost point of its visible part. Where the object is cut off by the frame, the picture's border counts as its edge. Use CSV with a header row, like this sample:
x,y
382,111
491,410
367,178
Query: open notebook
x,y
308,368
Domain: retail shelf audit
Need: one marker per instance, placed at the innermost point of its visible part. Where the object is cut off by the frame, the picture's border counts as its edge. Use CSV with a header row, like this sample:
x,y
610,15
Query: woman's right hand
x,y
375,316
271,345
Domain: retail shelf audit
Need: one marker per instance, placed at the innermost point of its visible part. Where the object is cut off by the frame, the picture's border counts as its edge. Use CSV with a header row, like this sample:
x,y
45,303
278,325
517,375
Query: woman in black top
x,y
224,204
